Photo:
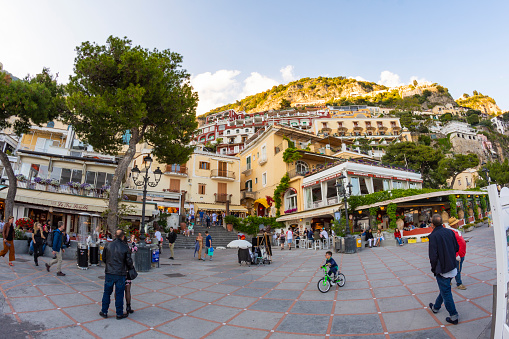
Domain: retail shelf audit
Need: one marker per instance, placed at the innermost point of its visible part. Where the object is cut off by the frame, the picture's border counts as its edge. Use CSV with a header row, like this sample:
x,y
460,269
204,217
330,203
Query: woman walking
x,y
38,238
199,245
282,240
129,282
8,234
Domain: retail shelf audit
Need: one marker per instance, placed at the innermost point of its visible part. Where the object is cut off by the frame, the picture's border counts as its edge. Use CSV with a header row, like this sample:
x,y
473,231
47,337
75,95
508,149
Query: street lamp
x,y
486,173
350,246
143,254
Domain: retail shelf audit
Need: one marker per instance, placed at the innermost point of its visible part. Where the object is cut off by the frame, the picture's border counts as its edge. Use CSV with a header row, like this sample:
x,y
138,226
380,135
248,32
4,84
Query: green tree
x,y
285,104
446,117
451,167
23,103
415,83
497,171
473,119
425,139
118,88
422,158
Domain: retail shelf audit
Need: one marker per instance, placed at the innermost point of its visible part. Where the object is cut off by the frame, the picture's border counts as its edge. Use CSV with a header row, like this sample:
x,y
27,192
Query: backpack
x,y
49,239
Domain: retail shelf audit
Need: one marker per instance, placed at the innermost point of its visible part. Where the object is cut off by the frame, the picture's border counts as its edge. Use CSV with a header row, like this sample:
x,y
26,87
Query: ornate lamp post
x,y
486,173
350,246
143,254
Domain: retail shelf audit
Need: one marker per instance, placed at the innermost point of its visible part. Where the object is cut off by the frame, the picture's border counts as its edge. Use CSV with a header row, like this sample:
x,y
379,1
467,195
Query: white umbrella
x,y
239,244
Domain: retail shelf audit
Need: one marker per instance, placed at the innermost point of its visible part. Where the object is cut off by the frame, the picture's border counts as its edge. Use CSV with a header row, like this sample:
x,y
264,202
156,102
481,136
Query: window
x,y
90,177
246,130
301,167
100,179
66,176
204,165
248,163
175,185
256,180
228,132
249,185
264,179
40,171
290,200
459,182
201,188
56,173
76,175
264,152
237,131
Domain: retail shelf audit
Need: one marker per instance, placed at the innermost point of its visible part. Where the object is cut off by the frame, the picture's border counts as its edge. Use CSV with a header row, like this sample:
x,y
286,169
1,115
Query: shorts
x,y
289,241
282,241
128,282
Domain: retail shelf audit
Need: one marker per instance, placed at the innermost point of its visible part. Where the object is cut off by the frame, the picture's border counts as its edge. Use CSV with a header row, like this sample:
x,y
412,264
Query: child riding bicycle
x,y
333,267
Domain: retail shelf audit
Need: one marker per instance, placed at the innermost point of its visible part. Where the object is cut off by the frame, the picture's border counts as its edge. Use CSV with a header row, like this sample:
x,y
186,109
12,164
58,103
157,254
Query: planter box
x,y
424,239
469,229
412,241
20,246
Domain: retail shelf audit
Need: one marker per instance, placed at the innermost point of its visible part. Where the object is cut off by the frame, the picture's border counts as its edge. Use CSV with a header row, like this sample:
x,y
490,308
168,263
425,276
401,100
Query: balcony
x,y
248,194
65,189
262,161
176,170
247,170
222,175
297,172
223,197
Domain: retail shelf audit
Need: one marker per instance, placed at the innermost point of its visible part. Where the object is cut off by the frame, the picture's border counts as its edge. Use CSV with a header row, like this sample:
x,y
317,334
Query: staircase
x,y
220,237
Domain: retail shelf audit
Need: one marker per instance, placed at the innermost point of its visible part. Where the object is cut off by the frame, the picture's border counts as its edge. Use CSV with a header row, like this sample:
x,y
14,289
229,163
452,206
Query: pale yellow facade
x,y
464,180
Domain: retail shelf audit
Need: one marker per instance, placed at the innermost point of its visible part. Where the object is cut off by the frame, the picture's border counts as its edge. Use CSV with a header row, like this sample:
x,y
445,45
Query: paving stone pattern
x,y
386,296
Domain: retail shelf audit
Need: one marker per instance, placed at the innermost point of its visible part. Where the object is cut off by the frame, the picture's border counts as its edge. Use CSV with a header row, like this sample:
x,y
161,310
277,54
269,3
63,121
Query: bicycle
x,y
324,284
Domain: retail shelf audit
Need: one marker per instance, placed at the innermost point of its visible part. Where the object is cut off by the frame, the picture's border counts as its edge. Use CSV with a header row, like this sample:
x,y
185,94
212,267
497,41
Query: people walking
x,y
8,236
57,246
443,247
199,246
289,238
171,237
159,238
118,261
208,244
214,219
38,239
208,220
129,280
460,256
282,241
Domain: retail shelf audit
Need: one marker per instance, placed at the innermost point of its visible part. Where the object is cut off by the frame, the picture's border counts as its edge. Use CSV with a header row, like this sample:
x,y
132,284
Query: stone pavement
x,y
386,296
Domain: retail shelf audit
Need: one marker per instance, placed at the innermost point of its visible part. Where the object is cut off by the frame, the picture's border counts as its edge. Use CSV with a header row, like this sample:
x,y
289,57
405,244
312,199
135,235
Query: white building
x,y
498,124
458,127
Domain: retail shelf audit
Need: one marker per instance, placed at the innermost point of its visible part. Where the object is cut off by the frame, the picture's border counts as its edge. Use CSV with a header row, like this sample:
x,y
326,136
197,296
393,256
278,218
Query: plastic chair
x,y
318,245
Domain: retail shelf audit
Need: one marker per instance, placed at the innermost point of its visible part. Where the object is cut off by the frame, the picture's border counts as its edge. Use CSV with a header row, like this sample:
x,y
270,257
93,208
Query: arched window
x,y
290,201
301,167
50,124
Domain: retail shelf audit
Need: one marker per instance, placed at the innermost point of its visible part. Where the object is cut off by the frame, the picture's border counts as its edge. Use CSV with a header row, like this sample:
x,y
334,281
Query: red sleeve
x,y
462,244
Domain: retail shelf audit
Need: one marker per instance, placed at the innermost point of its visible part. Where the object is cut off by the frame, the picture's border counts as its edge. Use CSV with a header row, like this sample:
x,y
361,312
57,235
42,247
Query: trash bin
x,y
94,255
83,258
142,261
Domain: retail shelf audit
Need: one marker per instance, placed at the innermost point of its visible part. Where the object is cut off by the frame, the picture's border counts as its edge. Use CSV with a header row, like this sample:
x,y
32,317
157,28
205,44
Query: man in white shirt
x,y
214,219
289,238
324,234
159,238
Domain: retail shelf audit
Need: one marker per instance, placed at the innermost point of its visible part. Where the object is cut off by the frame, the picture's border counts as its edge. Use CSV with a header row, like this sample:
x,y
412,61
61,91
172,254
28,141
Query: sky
x,y
237,48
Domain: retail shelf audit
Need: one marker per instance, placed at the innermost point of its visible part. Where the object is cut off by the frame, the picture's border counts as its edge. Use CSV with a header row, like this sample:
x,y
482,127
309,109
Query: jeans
x,y
332,271
399,241
32,247
118,281
459,266
445,296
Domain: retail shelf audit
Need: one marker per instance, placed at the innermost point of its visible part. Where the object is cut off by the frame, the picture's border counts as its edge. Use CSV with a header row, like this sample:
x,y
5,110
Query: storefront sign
x,y
331,177
400,179
382,176
360,174
70,206
311,183
415,180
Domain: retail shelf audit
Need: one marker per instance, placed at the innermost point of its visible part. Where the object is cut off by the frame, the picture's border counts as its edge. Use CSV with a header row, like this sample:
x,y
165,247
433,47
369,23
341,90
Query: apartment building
x,y
464,180
320,198
58,177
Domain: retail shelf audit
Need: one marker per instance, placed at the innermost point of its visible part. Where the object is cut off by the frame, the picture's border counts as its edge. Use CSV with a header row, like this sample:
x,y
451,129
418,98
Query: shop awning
x,y
262,201
329,210
238,208
218,207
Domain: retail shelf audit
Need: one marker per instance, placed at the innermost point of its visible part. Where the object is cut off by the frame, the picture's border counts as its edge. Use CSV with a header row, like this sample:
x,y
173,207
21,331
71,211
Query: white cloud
x,y
358,78
287,73
390,79
224,87
420,81
257,83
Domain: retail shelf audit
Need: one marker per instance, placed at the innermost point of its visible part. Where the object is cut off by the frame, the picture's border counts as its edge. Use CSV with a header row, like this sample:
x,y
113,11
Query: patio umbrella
x,y
239,244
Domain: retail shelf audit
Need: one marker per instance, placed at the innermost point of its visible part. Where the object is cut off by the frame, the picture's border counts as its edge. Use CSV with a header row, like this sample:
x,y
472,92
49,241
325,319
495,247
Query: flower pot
x,y
412,241
424,239
229,227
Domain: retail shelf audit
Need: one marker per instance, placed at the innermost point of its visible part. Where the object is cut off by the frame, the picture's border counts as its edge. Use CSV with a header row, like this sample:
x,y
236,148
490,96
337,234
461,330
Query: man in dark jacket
x,y
117,257
442,256
57,247
172,237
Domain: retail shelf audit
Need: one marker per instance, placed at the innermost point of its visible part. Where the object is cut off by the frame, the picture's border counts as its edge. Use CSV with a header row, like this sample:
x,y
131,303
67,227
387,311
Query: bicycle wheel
x,y
323,285
341,280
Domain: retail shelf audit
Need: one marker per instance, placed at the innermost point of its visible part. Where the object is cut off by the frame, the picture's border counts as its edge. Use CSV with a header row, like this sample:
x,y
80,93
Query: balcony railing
x,y
176,170
65,189
297,172
247,170
221,174
247,194
262,161
223,197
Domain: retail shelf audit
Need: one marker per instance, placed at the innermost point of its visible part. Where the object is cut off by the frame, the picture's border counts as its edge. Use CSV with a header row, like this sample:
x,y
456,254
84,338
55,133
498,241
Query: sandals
x,y
11,264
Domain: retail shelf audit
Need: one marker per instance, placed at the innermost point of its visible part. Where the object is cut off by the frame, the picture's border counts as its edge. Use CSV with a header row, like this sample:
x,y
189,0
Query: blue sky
x,y
237,48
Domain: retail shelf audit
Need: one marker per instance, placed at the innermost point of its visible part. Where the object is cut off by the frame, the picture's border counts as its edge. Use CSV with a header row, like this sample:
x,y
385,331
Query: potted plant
x,y
424,239
412,240
230,220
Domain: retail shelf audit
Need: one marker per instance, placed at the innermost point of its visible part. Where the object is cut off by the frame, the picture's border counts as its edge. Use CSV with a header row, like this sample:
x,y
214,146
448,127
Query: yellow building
x,y
263,167
464,180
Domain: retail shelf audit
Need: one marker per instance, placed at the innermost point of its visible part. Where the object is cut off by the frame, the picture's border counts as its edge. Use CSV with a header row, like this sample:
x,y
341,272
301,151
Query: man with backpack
x,y
56,241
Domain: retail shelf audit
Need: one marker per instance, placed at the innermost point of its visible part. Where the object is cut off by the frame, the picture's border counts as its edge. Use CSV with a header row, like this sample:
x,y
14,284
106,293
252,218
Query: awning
x,y
262,201
218,207
329,210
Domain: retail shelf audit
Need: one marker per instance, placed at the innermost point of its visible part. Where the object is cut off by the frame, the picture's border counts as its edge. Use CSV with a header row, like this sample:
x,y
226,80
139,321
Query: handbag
x,y
132,274
211,251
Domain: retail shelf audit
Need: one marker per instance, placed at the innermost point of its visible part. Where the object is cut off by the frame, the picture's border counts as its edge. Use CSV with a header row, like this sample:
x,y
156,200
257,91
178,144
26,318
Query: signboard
x,y
499,204
311,183
361,174
400,179
337,216
70,206
382,176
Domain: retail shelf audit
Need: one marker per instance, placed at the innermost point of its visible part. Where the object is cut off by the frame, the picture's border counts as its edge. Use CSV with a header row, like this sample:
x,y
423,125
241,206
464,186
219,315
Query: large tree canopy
x,y
23,103
118,88
418,157
498,173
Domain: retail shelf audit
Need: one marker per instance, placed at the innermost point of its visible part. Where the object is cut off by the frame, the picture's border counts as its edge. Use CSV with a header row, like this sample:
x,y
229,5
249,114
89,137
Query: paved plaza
x,y
386,296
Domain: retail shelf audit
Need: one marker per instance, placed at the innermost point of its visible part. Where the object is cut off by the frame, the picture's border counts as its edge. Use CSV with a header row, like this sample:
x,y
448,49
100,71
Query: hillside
x,y
479,102
342,91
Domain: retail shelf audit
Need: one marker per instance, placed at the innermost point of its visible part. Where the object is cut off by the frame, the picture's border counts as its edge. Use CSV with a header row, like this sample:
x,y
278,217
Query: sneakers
x,y
104,315
60,274
432,308
125,315
47,267
332,282
462,287
171,258
449,320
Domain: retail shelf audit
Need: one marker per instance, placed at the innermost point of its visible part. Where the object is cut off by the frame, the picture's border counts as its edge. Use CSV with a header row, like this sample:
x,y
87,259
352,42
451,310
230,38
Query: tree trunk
x,y
112,219
13,185
453,180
